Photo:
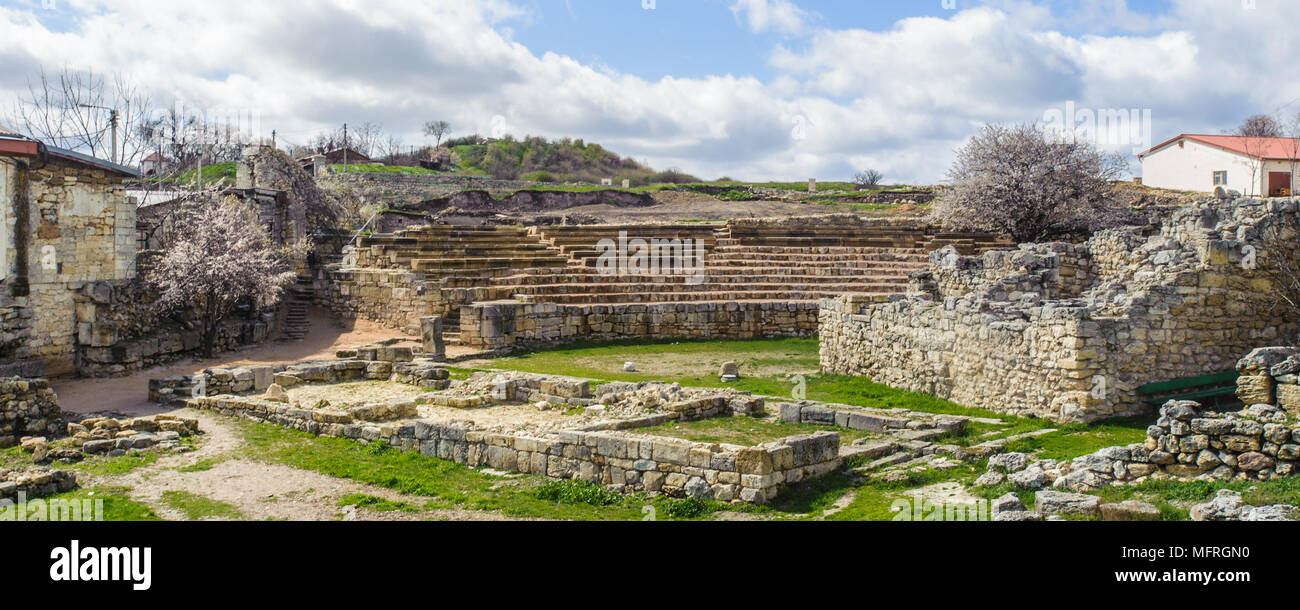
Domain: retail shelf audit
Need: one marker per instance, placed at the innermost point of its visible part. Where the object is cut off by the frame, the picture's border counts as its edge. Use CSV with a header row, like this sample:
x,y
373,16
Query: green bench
x,y
1218,387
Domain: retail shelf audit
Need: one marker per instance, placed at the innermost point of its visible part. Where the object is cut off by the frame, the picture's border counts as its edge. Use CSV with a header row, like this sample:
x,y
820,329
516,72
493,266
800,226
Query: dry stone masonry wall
x,y
506,325
28,407
1182,303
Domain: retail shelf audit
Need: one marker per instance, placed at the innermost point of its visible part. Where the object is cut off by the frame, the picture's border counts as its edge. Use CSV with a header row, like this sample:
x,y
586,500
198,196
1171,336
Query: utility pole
x,y
345,148
202,135
112,117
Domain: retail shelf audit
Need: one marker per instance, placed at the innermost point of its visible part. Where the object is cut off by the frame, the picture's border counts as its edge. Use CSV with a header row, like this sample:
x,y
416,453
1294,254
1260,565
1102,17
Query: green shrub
x,y
538,177
578,492
688,508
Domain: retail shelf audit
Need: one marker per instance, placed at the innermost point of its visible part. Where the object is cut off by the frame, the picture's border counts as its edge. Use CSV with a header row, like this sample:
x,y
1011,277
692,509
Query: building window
x,y
1220,178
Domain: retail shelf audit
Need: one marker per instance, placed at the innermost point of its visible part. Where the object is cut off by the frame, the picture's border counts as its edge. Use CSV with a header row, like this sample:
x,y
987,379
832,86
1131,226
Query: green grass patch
x,y
113,466
745,431
446,483
578,492
875,500
197,508
200,466
224,172
376,503
768,367
116,505
404,170
1073,440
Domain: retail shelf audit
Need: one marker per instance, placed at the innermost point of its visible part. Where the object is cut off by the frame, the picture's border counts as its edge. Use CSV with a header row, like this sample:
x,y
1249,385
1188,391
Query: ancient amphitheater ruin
x,y
502,287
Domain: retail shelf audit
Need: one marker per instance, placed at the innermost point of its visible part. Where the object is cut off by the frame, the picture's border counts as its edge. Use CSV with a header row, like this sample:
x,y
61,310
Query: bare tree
x,y
219,259
1280,238
1255,133
1292,133
75,109
1022,181
366,138
436,130
869,179
1260,126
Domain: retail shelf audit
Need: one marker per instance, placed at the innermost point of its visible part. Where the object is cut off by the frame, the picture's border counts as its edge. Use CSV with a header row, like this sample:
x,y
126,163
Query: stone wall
x,y
1186,302
395,299
72,224
18,487
1053,271
120,332
372,363
28,407
1271,375
1259,443
505,325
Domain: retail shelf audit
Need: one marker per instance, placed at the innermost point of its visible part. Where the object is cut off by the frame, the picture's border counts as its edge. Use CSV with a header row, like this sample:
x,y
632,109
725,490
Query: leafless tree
x,y
1292,132
1280,238
366,138
436,130
1255,132
868,179
1024,182
73,109
1260,126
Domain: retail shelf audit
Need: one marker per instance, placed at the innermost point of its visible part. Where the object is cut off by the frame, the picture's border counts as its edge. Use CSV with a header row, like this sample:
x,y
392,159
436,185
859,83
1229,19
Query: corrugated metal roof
x,y
77,157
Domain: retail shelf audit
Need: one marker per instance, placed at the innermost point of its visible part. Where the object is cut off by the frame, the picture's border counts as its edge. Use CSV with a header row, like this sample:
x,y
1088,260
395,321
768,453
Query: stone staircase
x,y
299,297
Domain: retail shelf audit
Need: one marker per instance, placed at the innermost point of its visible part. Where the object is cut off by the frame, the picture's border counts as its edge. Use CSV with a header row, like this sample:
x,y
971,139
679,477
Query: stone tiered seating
x,y
447,250
858,237
744,261
579,242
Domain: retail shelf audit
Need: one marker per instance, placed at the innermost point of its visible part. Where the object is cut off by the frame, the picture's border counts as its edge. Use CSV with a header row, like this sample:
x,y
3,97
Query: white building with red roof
x,y
1252,166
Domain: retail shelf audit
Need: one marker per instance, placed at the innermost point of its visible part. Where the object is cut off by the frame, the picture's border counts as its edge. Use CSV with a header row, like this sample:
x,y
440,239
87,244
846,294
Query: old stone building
x,y
65,225
1072,332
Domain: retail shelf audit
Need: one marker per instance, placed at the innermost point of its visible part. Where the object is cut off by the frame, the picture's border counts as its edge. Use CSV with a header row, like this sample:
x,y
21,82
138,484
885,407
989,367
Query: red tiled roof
x,y
1260,148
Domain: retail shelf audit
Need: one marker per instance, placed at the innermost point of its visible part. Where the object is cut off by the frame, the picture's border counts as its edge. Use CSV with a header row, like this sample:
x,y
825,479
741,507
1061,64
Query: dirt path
x,y
260,491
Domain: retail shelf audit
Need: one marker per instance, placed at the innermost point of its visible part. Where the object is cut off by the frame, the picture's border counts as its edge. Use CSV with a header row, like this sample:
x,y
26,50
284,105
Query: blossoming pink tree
x,y
219,258
1031,184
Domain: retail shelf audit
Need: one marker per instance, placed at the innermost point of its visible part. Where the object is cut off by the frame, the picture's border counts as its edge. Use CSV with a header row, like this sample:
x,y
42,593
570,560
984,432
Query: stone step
x,y
424,265
709,277
684,297
678,287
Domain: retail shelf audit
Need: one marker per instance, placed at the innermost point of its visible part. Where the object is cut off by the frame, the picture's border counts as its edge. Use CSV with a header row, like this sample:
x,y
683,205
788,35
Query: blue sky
x,y
752,89
698,38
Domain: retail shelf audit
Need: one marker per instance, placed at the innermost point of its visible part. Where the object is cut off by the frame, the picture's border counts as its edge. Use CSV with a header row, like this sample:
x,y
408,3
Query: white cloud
x,y
781,16
900,100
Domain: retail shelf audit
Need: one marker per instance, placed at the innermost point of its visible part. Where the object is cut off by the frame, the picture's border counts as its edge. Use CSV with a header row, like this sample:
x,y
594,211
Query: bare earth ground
x,y
129,395
678,206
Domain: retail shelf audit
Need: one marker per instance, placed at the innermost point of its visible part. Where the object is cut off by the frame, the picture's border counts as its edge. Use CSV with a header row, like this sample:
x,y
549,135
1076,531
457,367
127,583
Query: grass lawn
x,y
198,508
15,458
353,168
744,431
117,505
768,367
436,484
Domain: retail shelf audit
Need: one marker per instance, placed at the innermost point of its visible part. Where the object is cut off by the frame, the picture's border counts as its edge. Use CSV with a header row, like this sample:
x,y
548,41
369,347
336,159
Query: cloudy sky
x,y
752,89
